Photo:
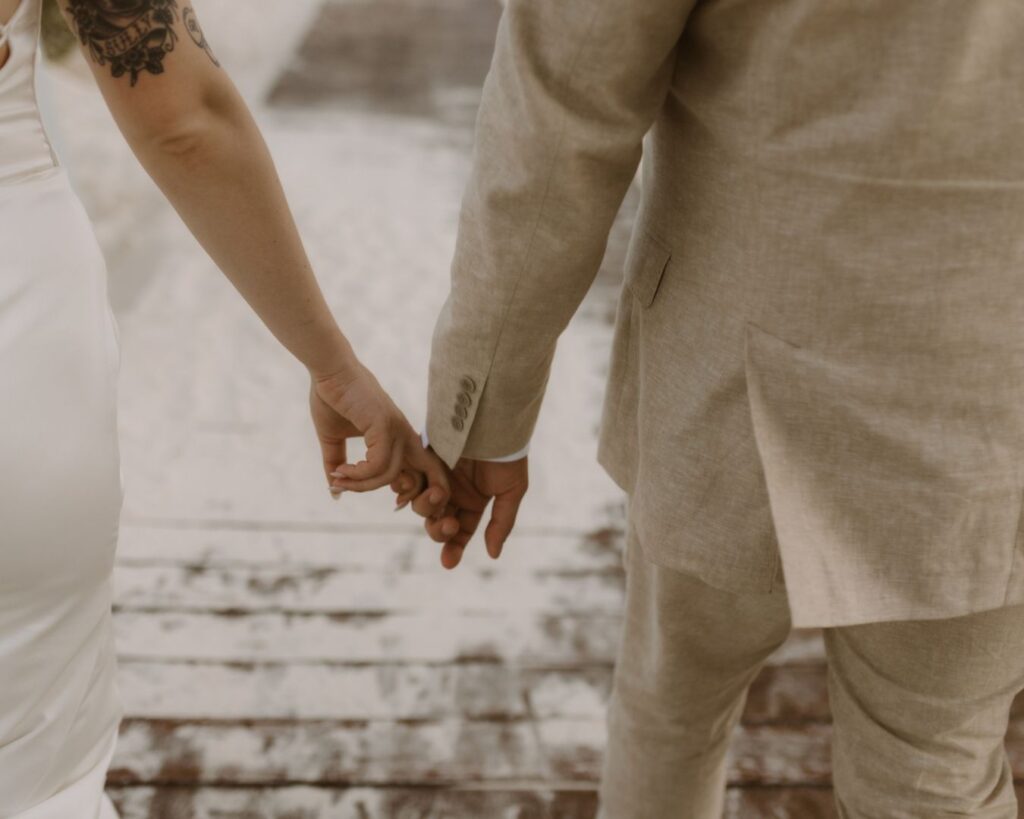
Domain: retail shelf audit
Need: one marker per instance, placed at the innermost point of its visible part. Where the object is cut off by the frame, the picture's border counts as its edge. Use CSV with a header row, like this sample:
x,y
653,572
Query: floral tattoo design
x,y
132,36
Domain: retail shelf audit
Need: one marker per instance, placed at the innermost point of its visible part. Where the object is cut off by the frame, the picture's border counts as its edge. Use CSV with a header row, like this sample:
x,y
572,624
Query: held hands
x,y
353,404
474,484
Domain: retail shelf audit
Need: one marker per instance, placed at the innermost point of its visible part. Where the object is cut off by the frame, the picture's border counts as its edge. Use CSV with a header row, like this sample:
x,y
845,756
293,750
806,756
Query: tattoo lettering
x,y
191,22
132,36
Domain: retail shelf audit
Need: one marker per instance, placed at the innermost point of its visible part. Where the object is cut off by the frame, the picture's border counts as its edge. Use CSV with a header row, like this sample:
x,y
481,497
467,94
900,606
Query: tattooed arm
x,y
190,129
194,135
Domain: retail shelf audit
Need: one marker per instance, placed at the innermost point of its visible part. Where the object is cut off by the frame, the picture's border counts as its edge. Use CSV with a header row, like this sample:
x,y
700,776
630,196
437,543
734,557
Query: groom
x,y
763,120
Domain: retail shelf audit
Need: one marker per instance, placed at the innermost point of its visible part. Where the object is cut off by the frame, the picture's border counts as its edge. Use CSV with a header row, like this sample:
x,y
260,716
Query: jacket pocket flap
x,y
646,261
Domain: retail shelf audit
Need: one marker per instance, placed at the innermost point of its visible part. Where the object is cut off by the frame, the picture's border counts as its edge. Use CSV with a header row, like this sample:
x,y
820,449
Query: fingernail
x,y
435,496
401,506
336,474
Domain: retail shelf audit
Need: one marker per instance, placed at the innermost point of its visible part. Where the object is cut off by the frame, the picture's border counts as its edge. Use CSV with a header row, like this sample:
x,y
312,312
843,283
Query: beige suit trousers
x,y
919,707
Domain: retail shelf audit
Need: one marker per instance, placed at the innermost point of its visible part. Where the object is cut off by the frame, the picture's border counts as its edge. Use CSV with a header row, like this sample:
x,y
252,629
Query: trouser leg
x,y
687,656
920,711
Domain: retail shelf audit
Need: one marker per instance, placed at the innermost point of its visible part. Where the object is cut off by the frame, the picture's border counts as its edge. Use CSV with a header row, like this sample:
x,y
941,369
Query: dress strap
x,y
5,28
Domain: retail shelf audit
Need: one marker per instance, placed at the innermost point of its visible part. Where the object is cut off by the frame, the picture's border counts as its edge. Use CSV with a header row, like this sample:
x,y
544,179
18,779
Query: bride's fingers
x,y
385,440
410,484
405,486
334,454
405,481
429,465
342,475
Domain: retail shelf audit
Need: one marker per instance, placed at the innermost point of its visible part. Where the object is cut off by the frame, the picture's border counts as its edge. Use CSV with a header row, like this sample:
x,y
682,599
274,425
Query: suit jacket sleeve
x,y
573,87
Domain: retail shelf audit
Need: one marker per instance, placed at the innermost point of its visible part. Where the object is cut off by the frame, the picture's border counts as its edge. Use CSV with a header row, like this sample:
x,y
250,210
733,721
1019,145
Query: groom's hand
x,y
474,484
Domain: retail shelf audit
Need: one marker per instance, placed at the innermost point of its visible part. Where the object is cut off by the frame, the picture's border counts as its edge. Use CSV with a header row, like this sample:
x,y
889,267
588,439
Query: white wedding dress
x,y
60,477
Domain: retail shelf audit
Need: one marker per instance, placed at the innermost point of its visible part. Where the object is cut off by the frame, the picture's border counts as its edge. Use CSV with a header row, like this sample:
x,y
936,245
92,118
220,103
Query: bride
x,y
61,491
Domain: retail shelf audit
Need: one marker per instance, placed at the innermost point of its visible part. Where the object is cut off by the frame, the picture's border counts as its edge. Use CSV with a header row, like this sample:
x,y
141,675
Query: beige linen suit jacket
x,y
817,379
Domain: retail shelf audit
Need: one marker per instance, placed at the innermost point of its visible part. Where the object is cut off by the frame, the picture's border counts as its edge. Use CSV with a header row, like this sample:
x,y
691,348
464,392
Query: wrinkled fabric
x,y
817,374
919,707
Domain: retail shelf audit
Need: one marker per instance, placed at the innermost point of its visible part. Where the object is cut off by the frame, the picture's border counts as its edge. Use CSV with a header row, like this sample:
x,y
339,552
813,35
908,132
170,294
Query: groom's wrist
x,y
504,459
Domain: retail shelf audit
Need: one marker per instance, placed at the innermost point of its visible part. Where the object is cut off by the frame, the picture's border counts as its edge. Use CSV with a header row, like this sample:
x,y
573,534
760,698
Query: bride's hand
x,y
353,404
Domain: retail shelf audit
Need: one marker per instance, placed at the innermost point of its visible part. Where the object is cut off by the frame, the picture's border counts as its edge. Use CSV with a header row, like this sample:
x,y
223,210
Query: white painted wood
x,y
304,802
332,590
511,637
401,547
443,752
218,691
327,753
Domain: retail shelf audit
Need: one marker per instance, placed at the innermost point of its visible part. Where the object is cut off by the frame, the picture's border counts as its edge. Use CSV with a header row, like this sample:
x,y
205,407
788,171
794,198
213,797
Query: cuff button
x,y
467,384
461,411
464,399
458,423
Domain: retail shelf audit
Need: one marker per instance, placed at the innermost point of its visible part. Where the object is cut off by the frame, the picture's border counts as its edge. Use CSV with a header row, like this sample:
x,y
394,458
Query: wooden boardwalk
x,y
274,673
321,673
288,657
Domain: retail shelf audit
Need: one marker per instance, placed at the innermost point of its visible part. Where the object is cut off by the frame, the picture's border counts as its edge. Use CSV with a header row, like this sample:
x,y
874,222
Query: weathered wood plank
x,y
404,548
155,752
323,690
759,754
360,702
537,638
296,691
776,755
317,589
781,755
330,753
524,638
788,693
786,802
303,802
779,694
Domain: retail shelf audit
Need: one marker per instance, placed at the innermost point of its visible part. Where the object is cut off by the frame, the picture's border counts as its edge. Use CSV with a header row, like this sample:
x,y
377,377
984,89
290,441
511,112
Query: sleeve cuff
x,y
515,456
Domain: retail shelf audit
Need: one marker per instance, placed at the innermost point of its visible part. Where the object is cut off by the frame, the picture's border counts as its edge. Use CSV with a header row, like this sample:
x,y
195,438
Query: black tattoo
x,y
188,16
132,36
